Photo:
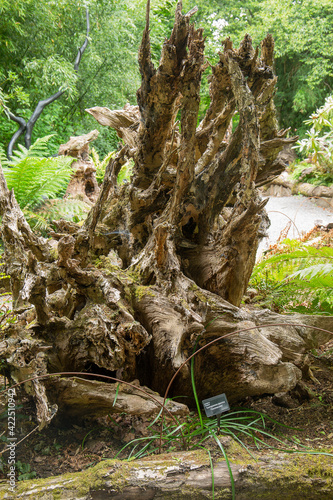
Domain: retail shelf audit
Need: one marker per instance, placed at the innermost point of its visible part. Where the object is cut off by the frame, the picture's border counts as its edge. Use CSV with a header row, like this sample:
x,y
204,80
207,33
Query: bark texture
x,y
162,261
186,476
83,184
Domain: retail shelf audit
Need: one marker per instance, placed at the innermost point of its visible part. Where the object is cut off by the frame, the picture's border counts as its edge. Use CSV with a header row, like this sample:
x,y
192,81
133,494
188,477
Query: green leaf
x,y
36,179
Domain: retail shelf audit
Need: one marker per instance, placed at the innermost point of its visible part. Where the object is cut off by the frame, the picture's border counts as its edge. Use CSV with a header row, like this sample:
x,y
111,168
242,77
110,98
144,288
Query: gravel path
x,y
304,213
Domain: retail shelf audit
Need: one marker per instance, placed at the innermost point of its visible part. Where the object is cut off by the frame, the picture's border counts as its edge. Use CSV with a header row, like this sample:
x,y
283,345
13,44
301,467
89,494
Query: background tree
x,y
303,36
39,45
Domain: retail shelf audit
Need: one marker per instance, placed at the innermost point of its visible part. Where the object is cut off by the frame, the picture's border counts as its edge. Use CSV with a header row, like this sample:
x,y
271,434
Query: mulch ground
x,y
70,446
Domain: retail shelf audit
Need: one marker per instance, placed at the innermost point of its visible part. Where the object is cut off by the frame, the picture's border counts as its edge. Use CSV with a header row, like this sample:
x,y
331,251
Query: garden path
x,y
302,211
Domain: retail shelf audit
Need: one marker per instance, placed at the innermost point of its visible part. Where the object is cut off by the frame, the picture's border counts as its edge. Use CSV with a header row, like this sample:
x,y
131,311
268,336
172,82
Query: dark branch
x,y
28,127
36,114
84,46
21,129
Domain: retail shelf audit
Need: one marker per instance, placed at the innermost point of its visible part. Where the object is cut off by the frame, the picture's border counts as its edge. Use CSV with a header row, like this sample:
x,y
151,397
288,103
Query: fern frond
x,y
37,221
37,179
311,272
39,147
95,157
298,279
125,172
100,164
68,208
3,157
37,150
301,254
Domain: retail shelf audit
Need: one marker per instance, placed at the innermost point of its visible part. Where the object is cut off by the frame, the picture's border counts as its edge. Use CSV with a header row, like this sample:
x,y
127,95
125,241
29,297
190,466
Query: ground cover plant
x,y
39,182
297,275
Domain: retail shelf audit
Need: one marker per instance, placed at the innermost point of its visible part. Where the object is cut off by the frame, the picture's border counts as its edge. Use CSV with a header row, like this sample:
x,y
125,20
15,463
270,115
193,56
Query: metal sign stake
x,y
216,406
218,419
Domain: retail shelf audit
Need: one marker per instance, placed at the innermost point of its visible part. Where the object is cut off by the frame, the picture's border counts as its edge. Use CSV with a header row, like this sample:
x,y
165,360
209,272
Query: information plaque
x,y
216,405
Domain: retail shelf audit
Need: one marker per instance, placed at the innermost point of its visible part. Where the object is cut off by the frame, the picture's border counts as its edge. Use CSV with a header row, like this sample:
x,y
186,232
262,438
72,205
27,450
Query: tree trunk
x,y
162,261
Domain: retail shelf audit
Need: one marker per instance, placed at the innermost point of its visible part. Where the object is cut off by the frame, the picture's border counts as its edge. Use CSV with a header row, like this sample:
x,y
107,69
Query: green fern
x,y
125,172
38,149
38,182
320,272
295,253
69,209
100,164
300,278
36,179
37,221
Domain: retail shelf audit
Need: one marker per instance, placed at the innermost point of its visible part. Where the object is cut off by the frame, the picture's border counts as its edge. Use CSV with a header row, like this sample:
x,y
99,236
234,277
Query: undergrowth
x,y
39,183
301,171
296,276
293,276
100,165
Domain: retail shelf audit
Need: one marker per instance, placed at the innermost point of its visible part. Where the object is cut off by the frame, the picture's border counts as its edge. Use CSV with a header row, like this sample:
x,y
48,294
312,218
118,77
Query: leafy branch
x,y
27,127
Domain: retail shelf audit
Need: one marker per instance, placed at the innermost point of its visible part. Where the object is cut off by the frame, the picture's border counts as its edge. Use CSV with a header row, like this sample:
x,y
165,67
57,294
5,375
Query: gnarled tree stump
x,y
162,261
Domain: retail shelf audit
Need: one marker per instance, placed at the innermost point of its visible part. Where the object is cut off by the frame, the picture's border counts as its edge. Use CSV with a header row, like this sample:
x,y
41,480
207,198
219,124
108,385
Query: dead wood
x,y
125,122
83,184
188,475
81,398
163,260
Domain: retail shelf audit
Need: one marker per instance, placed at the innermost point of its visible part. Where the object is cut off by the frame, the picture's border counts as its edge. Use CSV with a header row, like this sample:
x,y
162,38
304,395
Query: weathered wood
x,y
163,260
187,475
79,397
253,362
125,122
78,146
83,184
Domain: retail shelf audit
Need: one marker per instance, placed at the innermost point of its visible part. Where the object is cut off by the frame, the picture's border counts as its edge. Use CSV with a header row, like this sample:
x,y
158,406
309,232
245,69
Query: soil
x,y
68,446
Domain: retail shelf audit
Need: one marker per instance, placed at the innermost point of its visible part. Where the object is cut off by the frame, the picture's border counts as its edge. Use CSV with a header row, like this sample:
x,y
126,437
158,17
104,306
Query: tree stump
x,y
161,263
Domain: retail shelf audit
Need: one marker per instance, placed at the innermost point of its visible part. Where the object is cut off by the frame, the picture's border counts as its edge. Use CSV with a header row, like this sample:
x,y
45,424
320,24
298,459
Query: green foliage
x,y
37,150
38,181
303,35
248,423
312,176
39,40
297,279
318,143
38,44
52,72
24,471
7,316
70,209
100,165
125,172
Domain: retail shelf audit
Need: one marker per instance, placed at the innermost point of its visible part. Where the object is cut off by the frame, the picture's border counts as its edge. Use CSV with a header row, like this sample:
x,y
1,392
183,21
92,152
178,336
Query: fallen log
x,y
188,475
